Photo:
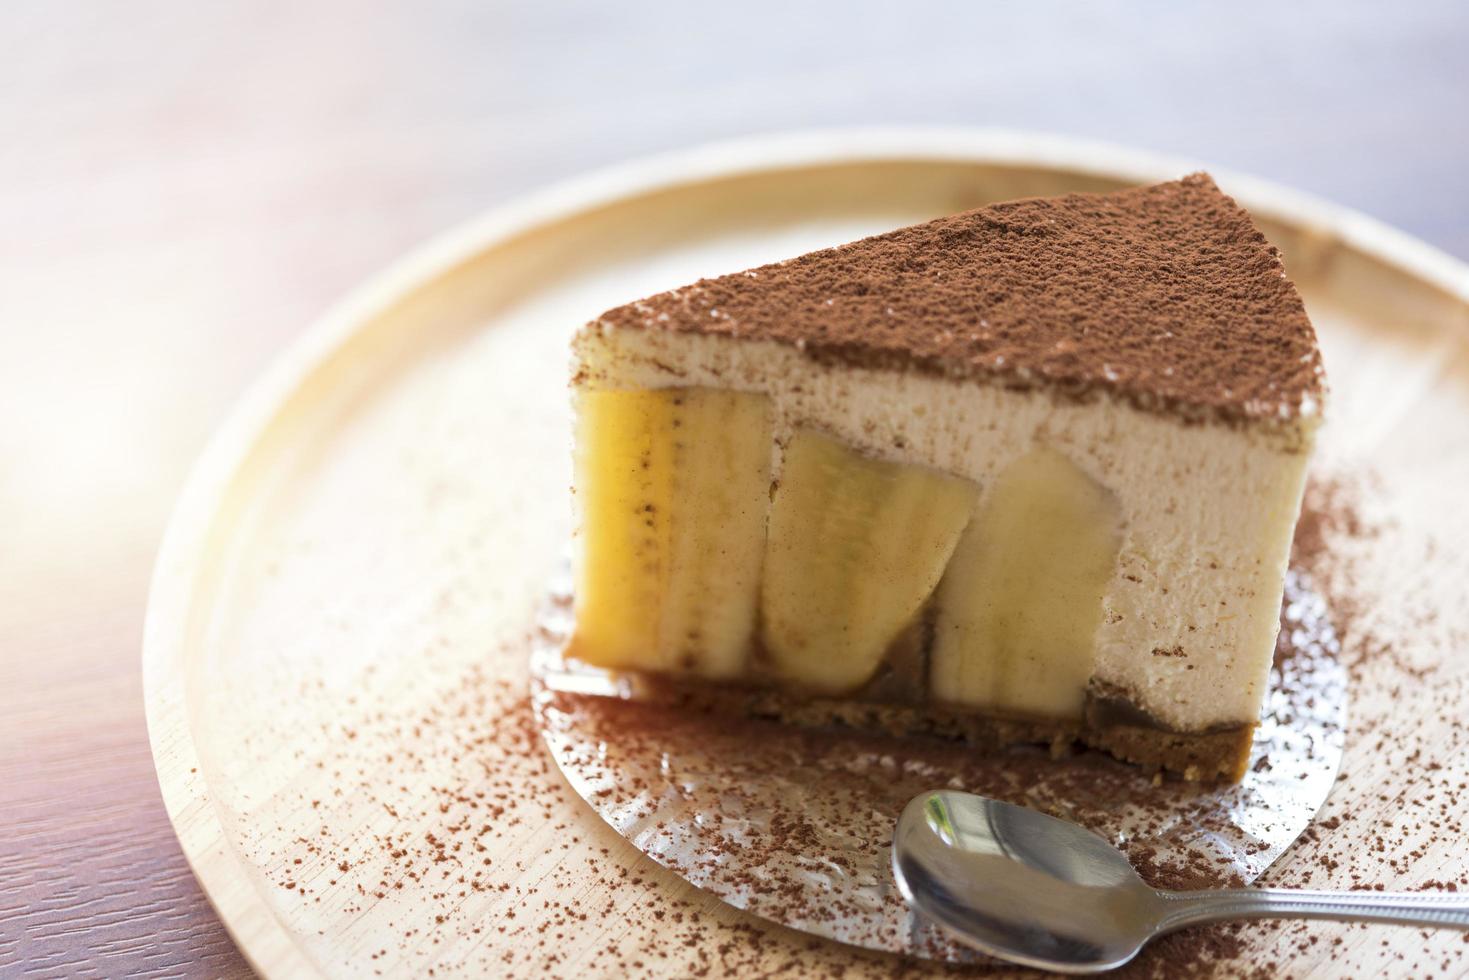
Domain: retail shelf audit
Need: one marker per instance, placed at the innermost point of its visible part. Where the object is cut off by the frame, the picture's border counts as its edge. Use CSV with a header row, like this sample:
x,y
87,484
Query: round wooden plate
x,y
334,652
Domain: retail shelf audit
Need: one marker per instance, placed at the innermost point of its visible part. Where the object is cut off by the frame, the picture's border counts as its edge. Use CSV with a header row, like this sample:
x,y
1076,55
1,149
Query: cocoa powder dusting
x,y
497,912
524,911
764,812
1402,787
1166,296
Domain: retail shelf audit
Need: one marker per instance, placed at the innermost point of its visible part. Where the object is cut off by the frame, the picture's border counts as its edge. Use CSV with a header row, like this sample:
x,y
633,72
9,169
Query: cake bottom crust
x,y
1107,725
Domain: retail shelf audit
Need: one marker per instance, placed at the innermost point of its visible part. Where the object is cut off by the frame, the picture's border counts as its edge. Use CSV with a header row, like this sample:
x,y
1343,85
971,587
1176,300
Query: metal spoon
x,y
1032,889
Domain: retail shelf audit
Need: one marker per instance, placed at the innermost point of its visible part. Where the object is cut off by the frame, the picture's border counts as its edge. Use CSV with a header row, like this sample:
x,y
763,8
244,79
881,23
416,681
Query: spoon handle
x,y
1404,908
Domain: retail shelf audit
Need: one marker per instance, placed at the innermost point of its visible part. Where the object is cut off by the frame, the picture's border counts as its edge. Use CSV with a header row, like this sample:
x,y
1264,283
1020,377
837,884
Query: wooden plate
x,y
333,657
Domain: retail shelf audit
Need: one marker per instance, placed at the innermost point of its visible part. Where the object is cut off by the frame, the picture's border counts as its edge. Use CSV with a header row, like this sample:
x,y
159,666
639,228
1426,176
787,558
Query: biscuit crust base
x,y
1109,723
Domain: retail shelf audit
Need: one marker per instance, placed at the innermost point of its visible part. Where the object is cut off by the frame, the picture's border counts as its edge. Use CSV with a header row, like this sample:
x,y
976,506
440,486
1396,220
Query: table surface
x,y
184,187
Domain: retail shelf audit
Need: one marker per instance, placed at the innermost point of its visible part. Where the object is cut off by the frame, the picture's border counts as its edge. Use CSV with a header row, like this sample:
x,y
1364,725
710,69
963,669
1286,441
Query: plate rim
x,y
262,939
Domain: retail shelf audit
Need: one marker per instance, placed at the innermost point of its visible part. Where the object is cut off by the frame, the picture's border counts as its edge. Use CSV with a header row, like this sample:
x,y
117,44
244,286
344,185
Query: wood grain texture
x,y
184,187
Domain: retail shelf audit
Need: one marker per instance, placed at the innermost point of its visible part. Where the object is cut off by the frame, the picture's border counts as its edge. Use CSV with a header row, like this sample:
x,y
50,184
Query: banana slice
x,y
672,489
855,547
1019,607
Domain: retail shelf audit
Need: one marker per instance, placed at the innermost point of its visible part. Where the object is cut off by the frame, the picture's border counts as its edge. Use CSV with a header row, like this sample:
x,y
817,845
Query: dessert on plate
x,y
1025,473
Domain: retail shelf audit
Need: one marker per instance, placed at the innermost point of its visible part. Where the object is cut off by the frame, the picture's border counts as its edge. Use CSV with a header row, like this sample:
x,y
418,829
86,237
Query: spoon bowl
x,y
1021,885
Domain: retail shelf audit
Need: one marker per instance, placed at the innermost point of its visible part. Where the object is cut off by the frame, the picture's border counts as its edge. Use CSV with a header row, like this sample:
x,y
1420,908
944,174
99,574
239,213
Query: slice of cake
x,y
1028,472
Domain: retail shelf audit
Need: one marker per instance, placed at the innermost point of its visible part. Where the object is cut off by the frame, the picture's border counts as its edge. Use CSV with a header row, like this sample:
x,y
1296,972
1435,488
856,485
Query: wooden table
x,y
183,187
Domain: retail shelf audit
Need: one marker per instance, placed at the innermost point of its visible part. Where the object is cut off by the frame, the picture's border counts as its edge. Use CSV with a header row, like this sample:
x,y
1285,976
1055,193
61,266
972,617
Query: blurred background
x,y
185,186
